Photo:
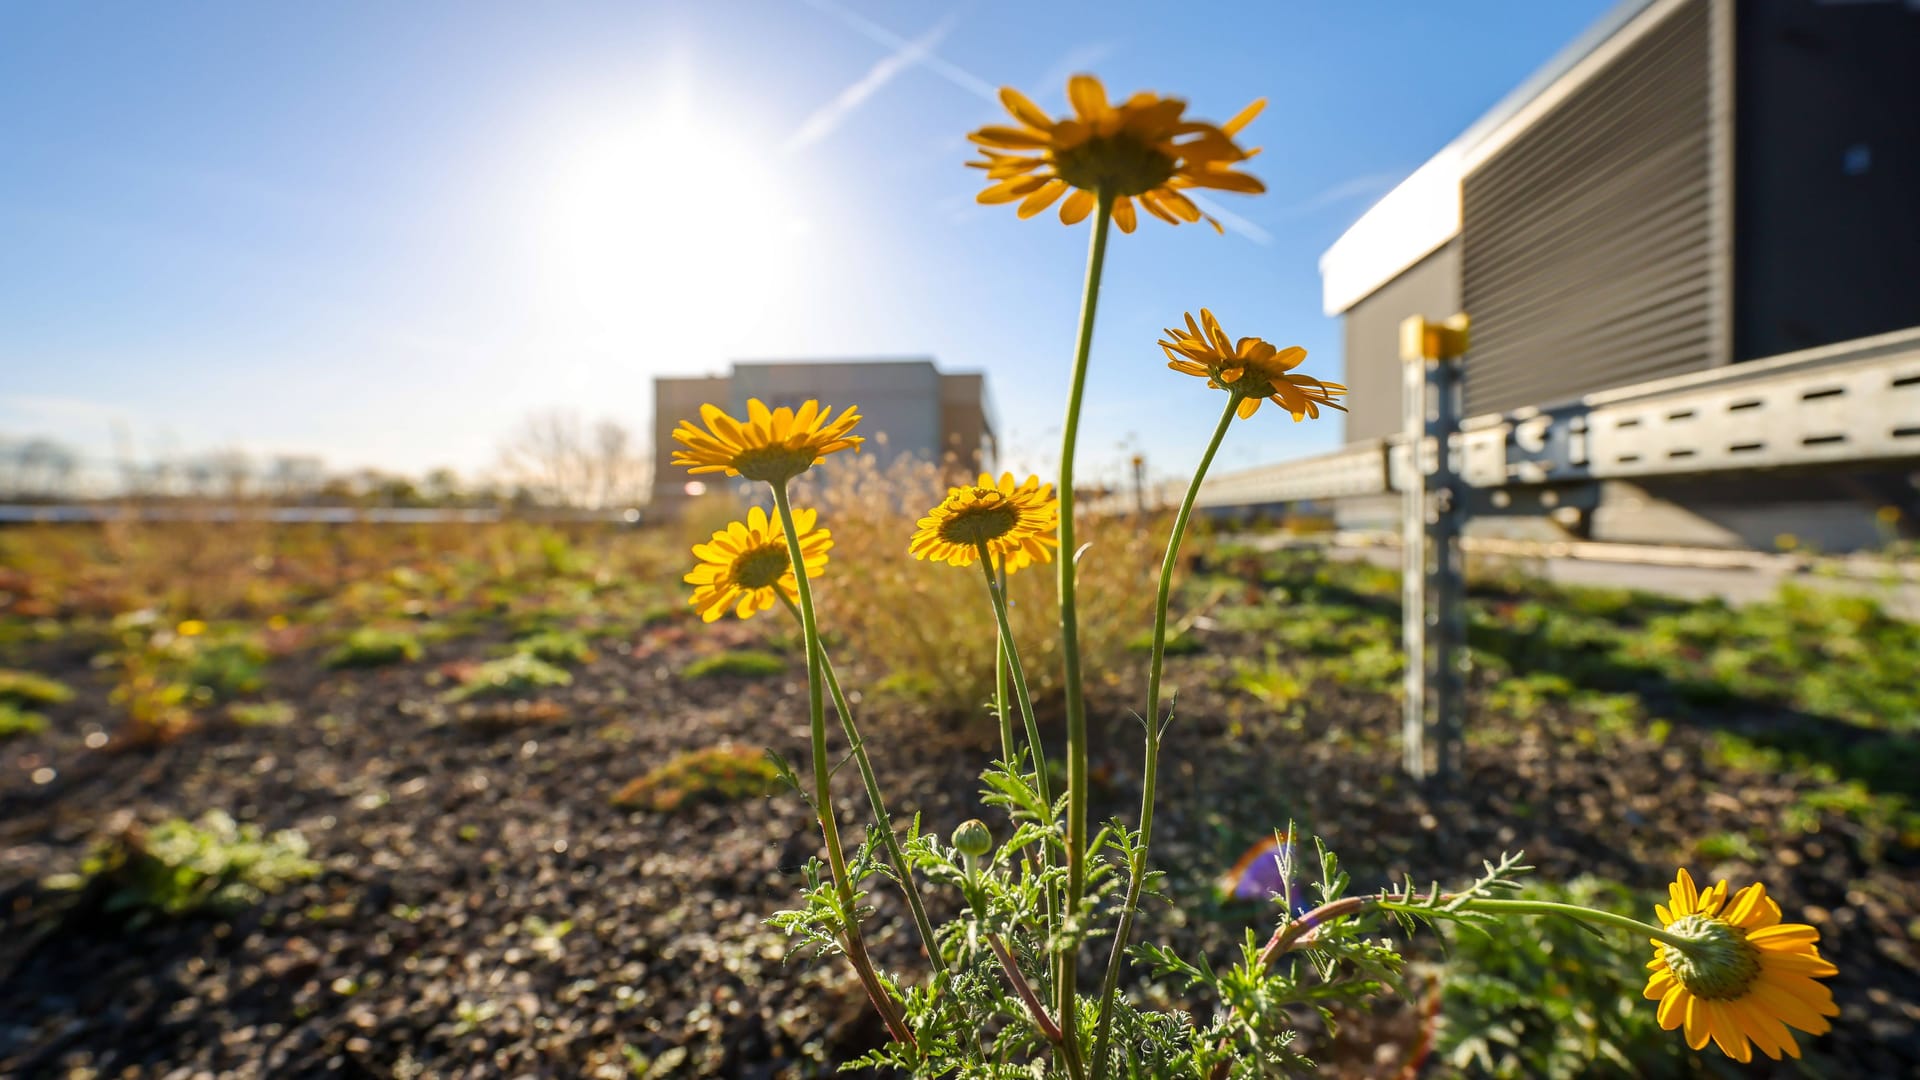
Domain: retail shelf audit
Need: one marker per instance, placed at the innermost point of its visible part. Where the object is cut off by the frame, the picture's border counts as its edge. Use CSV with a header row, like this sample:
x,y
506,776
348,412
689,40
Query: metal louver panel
x,y
1586,242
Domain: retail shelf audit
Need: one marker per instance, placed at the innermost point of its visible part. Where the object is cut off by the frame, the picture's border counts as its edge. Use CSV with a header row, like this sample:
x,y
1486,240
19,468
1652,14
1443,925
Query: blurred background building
x,y
909,408
1692,184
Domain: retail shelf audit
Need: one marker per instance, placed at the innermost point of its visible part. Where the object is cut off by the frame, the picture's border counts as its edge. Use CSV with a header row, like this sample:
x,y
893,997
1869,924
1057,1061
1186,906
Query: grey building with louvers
x,y
1692,184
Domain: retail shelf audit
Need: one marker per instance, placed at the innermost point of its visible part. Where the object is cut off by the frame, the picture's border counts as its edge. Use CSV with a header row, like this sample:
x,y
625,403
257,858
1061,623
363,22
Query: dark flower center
x,y
761,567
1119,163
980,524
773,464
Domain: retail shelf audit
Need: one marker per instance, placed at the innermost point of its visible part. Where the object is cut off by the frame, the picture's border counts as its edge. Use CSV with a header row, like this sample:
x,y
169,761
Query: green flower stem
x,y
1572,911
855,944
1150,772
1000,683
1010,652
877,802
1068,970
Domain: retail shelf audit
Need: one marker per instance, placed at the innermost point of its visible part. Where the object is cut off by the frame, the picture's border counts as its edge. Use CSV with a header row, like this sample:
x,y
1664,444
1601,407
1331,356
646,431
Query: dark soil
x,y
443,829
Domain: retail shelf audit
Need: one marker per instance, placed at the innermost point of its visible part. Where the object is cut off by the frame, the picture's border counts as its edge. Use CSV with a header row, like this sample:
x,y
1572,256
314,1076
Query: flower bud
x,y
972,838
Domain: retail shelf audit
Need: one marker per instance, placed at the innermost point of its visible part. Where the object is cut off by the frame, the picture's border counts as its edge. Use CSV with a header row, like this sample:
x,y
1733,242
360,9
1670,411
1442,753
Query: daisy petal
x,y
1244,117
1088,97
1076,207
1024,110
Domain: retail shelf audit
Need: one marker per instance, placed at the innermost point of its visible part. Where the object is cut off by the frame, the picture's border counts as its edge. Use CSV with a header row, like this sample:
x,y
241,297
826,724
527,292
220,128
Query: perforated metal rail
x,y
1849,404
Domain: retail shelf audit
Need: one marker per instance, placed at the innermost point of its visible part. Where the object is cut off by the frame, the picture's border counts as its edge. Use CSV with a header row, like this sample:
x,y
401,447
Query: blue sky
x,y
384,232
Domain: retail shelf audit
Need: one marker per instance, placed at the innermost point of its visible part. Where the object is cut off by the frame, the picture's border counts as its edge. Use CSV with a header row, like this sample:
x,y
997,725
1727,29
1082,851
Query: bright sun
x,y
666,237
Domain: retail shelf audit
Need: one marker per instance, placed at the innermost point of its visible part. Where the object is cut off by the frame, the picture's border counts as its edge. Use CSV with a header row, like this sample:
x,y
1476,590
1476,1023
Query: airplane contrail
x,y
827,118
873,31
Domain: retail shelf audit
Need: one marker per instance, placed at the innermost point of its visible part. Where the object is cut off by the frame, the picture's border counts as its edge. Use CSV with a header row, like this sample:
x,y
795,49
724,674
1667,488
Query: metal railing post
x,y
1433,587
1413,569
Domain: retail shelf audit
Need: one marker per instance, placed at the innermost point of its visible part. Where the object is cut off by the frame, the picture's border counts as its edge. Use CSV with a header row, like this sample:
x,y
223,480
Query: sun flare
x,y
666,236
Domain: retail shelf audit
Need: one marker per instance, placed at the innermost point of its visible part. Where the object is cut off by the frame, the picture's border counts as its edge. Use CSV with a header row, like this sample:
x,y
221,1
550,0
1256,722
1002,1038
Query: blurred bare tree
x,y
37,468
227,473
442,486
556,456
619,464
294,476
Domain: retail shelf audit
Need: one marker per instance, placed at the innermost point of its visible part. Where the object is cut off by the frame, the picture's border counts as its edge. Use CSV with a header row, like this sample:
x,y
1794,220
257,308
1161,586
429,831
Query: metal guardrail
x,y
1359,469
1853,403
95,513
1848,404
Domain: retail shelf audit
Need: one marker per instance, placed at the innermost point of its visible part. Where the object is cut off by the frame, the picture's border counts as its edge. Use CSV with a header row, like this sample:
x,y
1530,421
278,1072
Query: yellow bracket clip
x,y
1421,339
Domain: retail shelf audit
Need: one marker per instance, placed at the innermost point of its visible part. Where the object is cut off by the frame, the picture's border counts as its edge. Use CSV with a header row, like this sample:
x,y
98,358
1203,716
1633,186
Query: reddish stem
x,y
1040,1018
1293,935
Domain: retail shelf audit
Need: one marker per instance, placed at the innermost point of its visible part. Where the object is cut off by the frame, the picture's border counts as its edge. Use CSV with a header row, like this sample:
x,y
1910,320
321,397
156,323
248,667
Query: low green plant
x,y
509,676
656,614
1176,645
157,702
1524,696
1273,683
1378,663
671,1062
714,774
261,713
470,1016
27,688
372,646
1722,846
1827,654
178,867
222,669
740,663
556,647
559,558
547,938
1884,803
15,721
907,686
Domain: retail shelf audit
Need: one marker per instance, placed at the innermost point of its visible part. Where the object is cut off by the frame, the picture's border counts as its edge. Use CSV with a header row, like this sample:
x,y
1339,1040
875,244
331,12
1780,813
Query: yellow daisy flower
x,y
1014,521
746,561
774,445
1250,367
1140,149
1747,977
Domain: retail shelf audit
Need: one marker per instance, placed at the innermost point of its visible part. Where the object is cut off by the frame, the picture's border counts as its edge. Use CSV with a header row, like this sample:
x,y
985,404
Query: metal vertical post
x,y
1446,613
1433,592
1413,567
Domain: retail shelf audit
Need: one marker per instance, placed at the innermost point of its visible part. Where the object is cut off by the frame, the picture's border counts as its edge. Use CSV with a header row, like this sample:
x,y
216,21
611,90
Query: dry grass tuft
x,y
928,627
